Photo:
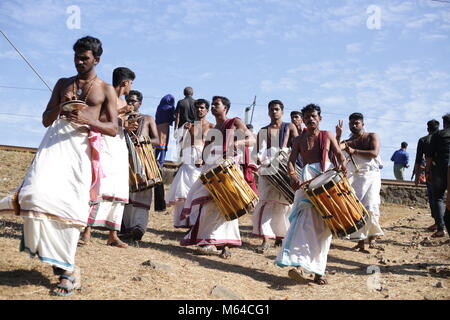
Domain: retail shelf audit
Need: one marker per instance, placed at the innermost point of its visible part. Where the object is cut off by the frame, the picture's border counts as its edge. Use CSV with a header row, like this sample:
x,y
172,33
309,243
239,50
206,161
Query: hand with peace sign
x,y
339,128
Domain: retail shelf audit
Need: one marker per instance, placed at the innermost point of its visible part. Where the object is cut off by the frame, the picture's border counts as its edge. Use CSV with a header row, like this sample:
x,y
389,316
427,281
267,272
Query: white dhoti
x,y
209,225
107,210
55,193
186,176
367,184
308,239
271,215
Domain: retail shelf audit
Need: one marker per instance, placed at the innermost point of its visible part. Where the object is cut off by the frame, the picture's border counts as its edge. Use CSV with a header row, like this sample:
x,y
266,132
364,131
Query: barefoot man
x,y
107,210
63,177
364,176
308,239
210,228
270,217
135,214
192,146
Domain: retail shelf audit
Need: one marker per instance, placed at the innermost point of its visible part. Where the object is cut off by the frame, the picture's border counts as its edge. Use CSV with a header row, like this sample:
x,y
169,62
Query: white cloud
x,y
353,47
10,54
283,84
432,37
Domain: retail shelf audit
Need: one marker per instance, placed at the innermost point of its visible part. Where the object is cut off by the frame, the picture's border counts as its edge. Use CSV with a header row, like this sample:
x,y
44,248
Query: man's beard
x,y
356,131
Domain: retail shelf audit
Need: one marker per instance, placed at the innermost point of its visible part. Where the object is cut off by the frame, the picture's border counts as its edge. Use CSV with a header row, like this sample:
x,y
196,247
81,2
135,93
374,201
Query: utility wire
x,y
29,64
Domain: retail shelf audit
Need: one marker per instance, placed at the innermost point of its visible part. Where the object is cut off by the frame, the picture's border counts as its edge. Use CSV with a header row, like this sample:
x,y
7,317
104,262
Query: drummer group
x,y
79,177
298,229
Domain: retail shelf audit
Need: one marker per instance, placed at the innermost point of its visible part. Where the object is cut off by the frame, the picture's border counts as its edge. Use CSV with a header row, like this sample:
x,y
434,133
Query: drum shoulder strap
x,y
323,137
140,125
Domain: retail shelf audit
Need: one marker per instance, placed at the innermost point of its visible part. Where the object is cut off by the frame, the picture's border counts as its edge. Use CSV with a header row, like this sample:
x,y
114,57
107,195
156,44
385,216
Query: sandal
x,y
263,248
74,284
117,243
278,242
225,254
320,280
298,275
438,234
208,250
84,241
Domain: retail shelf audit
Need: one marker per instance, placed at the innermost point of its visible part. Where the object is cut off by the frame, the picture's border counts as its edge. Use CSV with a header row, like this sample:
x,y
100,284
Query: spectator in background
x,y
447,210
401,159
164,119
438,156
185,110
296,119
423,145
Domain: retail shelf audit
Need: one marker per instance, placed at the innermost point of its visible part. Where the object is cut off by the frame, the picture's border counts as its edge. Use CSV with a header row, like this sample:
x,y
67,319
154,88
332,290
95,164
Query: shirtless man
x,y
136,212
107,210
308,239
296,119
270,217
192,144
54,196
211,230
364,176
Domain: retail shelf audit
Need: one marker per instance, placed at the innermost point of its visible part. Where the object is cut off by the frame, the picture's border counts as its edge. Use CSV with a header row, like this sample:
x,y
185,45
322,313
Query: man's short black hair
x,y
135,93
201,101
122,74
356,116
432,126
296,113
273,102
224,100
89,43
311,108
404,145
188,91
446,120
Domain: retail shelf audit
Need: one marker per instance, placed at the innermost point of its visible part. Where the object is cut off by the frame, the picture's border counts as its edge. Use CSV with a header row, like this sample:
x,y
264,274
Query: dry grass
x,y
411,266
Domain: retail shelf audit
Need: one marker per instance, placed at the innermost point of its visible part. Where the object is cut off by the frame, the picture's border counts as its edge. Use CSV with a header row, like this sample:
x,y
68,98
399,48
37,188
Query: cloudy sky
x,y
387,59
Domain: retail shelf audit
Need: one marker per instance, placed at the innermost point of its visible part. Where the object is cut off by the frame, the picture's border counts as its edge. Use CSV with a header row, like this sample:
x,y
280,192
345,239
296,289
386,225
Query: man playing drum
x,y
270,217
136,212
192,145
54,196
364,175
107,210
308,239
211,229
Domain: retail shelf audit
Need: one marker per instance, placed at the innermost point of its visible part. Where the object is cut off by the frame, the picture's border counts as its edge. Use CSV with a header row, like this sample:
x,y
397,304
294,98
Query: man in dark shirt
x,y
400,158
185,110
438,157
423,145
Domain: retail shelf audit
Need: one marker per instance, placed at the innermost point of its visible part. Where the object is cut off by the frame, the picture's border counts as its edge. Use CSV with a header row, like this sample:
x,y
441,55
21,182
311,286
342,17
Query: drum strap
x,y
140,126
323,137
246,168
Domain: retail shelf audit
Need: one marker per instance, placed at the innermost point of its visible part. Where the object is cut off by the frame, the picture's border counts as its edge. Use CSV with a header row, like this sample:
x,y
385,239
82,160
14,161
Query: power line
x,y
19,115
24,88
238,104
29,64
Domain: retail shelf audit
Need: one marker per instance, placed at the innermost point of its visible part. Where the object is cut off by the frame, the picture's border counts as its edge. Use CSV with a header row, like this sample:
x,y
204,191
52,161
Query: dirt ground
x,y
408,265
